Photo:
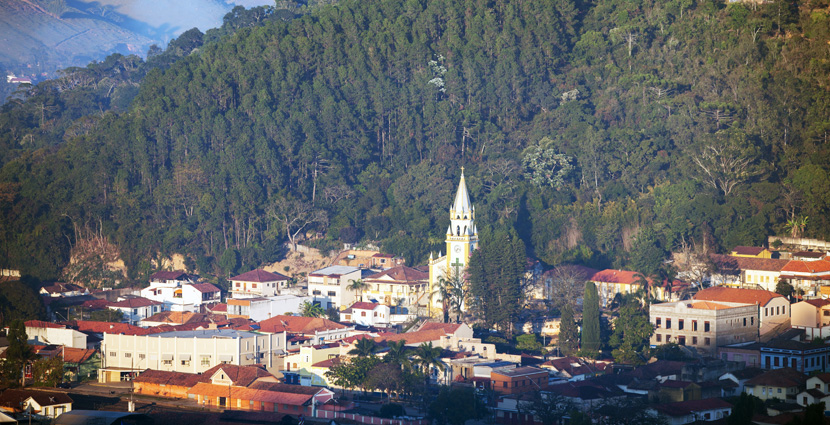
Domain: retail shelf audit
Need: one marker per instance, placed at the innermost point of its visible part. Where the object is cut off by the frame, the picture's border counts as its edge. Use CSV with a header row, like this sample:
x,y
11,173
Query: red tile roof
x,y
286,388
12,398
135,302
364,306
298,324
110,328
726,262
449,328
709,305
614,276
259,275
785,378
401,274
242,376
77,355
417,337
737,295
801,266
219,308
42,324
748,250
205,287
241,393
99,304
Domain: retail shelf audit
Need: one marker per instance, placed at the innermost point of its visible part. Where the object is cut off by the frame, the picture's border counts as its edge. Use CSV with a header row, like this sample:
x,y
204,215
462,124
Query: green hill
x,y
607,133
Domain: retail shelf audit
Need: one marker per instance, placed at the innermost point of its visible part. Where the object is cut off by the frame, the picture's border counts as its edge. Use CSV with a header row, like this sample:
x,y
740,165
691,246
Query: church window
x,y
465,230
458,230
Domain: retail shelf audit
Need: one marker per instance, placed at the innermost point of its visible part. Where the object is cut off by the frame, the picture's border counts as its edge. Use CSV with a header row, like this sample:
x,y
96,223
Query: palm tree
x,y
311,310
451,289
645,284
365,347
357,285
427,357
397,354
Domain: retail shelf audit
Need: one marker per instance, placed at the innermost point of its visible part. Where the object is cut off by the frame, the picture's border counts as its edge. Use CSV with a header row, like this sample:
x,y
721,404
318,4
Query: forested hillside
x,y
606,133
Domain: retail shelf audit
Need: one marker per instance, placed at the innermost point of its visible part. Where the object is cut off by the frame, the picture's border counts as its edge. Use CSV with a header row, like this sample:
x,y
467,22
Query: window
x,y
766,311
167,362
205,361
128,355
332,294
776,361
112,353
316,292
659,338
504,384
784,310
694,340
657,323
680,324
362,314
694,325
779,391
744,321
238,284
668,323
706,327
752,321
185,362
141,356
777,310
135,311
706,341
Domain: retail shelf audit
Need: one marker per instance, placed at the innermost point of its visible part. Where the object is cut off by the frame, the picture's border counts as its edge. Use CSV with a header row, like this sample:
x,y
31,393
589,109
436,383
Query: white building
x,y
329,286
257,283
261,308
773,308
53,334
704,325
135,309
187,351
177,296
367,314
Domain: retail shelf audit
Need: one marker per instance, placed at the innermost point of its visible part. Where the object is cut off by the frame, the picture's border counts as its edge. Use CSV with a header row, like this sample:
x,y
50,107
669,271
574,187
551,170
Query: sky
x,y
179,15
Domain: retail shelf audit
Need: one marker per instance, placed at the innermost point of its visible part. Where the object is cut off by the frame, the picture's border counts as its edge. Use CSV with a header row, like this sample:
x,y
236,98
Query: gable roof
x,y
416,337
43,324
737,295
77,355
448,328
12,398
60,287
298,324
110,328
784,377
287,388
205,287
802,266
401,274
259,275
177,317
727,263
748,250
169,275
135,302
163,377
709,305
242,376
614,276
362,305
241,393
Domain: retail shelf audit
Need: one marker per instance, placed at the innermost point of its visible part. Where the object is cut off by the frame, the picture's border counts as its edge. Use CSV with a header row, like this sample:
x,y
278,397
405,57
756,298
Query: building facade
x,y
703,325
329,286
257,283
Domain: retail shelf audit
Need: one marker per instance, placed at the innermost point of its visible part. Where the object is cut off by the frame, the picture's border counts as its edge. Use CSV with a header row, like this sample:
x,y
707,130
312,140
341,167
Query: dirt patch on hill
x,y
300,264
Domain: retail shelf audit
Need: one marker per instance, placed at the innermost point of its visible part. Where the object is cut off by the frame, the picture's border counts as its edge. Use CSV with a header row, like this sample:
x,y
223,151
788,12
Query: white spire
x,y
462,199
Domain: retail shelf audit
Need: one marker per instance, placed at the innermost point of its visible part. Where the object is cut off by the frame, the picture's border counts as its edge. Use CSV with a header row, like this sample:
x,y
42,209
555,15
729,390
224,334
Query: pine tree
x,y
590,320
568,332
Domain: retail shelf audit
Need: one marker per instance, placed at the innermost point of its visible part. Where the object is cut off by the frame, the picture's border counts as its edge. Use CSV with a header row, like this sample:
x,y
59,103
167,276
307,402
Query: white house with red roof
x,y
367,314
611,282
177,292
136,309
773,308
807,275
257,283
703,325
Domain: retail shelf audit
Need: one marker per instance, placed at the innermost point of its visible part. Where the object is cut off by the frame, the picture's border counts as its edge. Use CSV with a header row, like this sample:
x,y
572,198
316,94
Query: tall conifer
x,y
590,320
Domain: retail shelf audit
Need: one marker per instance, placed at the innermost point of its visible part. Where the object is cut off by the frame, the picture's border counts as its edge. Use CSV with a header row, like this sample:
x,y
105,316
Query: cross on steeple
x,y
457,264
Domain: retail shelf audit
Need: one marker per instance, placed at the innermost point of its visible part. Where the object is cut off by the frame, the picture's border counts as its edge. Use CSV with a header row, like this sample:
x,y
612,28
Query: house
x,y
773,308
747,353
807,255
367,314
751,252
807,275
693,411
136,309
588,395
60,289
805,357
317,329
611,283
398,286
165,383
367,259
262,308
703,325
50,404
329,286
79,363
817,391
740,378
187,351
302,360
746,272
257,283
182,297
173,278
813,316
673,391
574,368
519,380
783,384
52,333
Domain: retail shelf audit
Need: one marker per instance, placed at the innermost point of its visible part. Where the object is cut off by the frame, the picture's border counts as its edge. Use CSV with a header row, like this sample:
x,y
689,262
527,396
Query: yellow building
x,y
302,361
751,252
462,240
399,286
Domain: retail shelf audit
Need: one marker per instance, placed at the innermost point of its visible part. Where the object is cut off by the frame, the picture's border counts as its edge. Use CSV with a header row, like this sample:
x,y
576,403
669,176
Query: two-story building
x,y
398,286
704,325
52,333
187,351
176,296
519,380
136,309
257,283
813,316
329,286
773,308
262,308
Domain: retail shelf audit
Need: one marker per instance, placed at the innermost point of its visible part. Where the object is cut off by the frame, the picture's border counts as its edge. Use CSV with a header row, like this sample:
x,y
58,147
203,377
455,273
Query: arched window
x,y
458,230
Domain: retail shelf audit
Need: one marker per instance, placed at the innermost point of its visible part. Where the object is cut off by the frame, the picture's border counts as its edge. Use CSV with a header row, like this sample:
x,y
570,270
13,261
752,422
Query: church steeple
x,y
462,203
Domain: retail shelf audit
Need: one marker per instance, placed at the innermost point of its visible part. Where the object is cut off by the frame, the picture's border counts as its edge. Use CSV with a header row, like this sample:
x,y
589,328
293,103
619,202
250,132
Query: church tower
x,y
462,235
462,239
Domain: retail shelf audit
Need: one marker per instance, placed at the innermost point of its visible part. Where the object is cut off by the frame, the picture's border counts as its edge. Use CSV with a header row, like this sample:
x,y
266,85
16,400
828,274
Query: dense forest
x,y
605,133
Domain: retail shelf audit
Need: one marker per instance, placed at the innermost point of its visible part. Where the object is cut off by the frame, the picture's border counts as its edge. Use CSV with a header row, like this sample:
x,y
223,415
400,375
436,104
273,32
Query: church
x,y
462,239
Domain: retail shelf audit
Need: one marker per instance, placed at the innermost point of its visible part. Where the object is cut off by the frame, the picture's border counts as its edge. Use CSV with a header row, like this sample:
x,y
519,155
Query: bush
x,y
391,410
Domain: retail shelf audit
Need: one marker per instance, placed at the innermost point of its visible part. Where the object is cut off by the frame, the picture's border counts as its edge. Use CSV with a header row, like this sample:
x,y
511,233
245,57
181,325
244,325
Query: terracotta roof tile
x,y
449,328
163,377
801,266
259,275
43,324
135,303
364,306
785,377
168,275
298,324
110,328
12,398
614,276
205,287
401,274
748,250
77,355
242,376
737,295
417,337
709,305
241,393
726,262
